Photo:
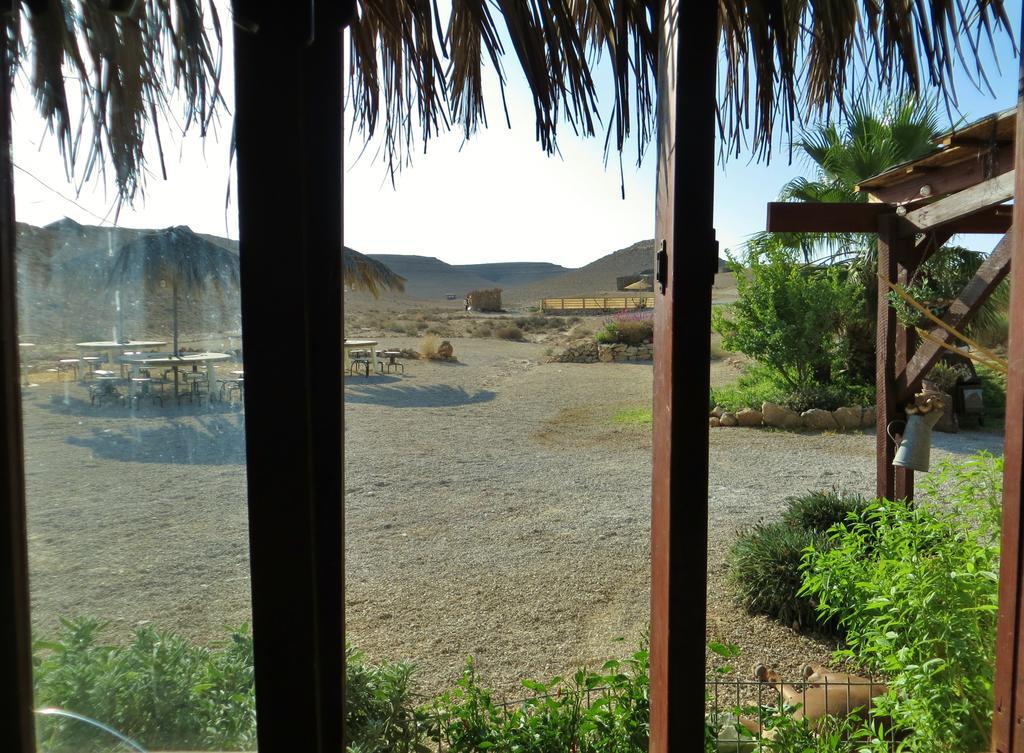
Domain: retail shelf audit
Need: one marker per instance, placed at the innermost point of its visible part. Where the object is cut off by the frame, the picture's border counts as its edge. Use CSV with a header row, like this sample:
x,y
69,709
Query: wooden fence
x,y
615,303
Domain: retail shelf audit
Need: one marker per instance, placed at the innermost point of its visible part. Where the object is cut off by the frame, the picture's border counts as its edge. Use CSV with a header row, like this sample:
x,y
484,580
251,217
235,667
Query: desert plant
x,y
429,347
915,588
379,716
764,564
821,510
508,333
758,384
827,396
789,316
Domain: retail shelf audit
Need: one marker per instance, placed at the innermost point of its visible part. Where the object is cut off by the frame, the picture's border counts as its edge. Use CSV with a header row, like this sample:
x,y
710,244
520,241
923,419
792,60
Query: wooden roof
x,y
971,143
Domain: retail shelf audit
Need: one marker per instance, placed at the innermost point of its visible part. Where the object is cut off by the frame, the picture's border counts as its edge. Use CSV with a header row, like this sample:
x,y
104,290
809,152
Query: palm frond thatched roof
x,y
413,72
175,257
360,272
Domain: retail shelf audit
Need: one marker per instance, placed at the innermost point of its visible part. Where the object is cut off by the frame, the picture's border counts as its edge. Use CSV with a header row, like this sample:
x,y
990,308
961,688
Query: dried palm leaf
x,y
413,73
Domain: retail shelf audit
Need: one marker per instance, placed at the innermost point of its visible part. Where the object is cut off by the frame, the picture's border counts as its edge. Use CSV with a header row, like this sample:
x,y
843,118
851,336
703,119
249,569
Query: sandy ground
x,y
494,509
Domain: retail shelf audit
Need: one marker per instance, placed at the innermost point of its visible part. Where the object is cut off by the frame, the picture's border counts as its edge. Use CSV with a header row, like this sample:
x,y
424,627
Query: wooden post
x,y
289,136
16,729
687,260
894,344
1008,719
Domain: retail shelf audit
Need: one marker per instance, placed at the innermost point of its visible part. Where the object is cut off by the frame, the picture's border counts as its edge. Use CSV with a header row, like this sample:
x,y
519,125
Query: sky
x,y
496,197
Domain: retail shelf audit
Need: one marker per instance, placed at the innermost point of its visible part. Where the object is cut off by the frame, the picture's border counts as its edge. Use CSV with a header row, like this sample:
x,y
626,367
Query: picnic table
x,y
142,360
356,345
113,349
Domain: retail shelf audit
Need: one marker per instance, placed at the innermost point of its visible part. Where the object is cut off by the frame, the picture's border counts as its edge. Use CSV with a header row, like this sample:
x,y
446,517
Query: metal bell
x,y
915,449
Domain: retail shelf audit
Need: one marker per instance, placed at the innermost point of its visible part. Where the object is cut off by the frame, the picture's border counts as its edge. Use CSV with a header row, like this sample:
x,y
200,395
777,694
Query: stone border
x,y
780,417
594,352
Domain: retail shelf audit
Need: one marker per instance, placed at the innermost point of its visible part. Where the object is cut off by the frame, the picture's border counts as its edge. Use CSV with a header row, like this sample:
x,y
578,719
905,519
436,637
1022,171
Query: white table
x,y
113,349
370,345
24,366
177,362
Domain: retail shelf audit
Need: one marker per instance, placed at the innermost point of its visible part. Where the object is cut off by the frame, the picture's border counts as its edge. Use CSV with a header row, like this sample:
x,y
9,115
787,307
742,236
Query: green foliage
x,y
827,396
915,587
634,417
587,713
159,689
788,316
378,712
993,392
820,511
625,332
764,564
757,385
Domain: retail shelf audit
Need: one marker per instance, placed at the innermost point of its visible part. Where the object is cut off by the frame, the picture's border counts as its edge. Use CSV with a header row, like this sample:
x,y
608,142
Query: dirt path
x,y
494,509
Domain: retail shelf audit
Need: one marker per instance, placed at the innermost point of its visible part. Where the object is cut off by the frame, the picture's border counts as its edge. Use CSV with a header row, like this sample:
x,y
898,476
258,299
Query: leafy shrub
x,y
429,346
379,716
631,330
915,587
508,333
758,384
819,511
789,316
587,713
993,392
765,566
159,689
827,396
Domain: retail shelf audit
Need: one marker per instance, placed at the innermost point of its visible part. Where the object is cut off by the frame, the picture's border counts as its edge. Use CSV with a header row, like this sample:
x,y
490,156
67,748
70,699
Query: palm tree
x,y
414,71
875,137
360,272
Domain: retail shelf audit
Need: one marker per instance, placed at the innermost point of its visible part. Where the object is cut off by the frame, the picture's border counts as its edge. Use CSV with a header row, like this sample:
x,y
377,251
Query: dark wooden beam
x,y
854,217
961,312
966,202
688,260
892,352
947,179
289,138
1008,717
16,730
837,217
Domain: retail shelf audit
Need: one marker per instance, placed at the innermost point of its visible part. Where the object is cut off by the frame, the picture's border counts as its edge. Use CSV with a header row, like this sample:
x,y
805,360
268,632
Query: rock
x,y
779,416
713,422
749,417
718,411
445,350
868,418
605,353
816,418
847,417
727,419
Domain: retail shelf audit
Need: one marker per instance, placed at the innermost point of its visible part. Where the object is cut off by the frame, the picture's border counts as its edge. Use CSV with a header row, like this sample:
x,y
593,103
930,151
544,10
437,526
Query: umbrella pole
x,y
174,327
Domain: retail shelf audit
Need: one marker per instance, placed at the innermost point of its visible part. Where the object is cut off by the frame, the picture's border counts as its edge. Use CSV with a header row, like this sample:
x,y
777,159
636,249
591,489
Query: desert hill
x,y
597,277
515,274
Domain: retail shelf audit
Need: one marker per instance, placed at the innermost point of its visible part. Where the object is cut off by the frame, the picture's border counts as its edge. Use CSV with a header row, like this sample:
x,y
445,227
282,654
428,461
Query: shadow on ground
x,y
411,396
215,441
115,409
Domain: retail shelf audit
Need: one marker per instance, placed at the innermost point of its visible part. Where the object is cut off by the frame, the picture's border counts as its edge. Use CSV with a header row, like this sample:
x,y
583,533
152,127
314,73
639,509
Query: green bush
x,y
159,689
764,564
608,334
379,716
819,511
789,316
758,384
590,712
167,693
625,332
827,396
993,393
915,588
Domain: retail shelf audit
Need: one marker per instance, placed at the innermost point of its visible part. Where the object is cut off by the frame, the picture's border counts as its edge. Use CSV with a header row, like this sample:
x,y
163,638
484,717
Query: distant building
x,y
484,300
623,283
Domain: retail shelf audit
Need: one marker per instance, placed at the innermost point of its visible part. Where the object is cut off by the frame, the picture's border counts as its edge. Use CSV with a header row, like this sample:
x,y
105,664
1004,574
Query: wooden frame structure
x,y
915,208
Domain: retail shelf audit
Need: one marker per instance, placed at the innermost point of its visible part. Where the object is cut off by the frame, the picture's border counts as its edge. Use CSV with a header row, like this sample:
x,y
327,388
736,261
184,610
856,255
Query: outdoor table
x,y
113,348
24,366
176,362
392,356
368,345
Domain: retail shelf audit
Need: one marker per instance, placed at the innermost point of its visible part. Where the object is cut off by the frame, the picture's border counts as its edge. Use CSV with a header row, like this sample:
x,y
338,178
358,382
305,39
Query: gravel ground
x,y
494,509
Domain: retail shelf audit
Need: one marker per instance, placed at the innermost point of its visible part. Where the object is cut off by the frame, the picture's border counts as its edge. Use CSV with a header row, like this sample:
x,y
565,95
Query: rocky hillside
x,y
597,277
428,278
